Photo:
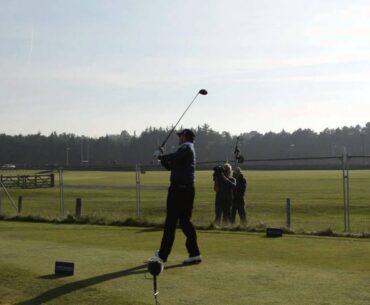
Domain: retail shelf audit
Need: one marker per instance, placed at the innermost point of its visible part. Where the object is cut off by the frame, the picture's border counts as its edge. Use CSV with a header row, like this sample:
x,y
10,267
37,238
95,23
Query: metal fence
x,y
326,207
27,181
338,198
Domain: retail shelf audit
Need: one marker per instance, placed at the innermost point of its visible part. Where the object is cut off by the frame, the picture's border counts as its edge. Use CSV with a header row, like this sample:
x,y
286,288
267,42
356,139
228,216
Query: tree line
x,y
38,151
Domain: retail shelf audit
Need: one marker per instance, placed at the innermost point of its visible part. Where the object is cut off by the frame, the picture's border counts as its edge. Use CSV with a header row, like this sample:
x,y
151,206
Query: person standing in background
x,y
238,198
224,185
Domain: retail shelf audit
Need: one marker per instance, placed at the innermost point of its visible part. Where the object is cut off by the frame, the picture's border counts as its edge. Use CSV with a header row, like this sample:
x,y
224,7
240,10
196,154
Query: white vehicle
x,y
8,166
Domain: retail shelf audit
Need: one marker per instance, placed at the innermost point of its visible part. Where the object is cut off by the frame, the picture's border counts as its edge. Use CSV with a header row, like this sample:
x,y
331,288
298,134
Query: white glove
x,y
158,152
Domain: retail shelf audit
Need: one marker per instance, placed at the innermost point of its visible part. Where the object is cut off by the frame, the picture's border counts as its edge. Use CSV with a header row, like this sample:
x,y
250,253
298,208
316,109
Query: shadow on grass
x,y
74,286
146,230
52,276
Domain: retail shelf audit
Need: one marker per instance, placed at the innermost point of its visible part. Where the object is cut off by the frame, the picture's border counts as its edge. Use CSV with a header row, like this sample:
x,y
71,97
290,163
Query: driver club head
x,y
203,92
155,266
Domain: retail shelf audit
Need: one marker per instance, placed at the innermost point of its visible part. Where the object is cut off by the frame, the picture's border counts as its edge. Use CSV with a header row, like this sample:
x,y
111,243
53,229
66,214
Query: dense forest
x,y
37,150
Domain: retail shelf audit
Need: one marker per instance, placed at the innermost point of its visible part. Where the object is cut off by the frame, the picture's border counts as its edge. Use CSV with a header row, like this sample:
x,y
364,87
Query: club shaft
x,y
174,127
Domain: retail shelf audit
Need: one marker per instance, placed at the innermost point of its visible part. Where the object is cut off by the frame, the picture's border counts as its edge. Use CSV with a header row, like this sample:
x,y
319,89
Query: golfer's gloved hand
x,y
158,152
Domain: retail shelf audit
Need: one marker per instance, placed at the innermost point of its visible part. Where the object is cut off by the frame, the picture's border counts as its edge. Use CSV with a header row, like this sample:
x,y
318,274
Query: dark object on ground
x,y
64,268
274,232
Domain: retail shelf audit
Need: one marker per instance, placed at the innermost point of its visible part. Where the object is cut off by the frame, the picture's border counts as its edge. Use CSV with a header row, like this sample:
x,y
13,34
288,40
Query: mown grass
x,y
316,196
239,268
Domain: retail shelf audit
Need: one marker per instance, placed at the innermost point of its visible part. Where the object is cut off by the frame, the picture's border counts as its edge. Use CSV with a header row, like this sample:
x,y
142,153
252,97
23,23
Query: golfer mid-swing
x,y
180,198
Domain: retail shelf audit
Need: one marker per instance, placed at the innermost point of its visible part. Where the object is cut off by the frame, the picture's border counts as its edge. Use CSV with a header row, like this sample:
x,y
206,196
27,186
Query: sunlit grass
x,y
239,268
316,197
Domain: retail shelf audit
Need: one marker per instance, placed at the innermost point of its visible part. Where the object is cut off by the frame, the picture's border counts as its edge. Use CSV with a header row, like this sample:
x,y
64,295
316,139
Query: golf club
x,y
155,267
201,92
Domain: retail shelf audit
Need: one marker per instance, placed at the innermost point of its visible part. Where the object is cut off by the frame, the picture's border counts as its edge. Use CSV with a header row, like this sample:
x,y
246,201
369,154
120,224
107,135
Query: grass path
x,y
238,268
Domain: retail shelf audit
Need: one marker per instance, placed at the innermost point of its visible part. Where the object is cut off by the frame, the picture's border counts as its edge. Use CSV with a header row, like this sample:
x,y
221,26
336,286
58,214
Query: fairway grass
x,y
238,268
316,197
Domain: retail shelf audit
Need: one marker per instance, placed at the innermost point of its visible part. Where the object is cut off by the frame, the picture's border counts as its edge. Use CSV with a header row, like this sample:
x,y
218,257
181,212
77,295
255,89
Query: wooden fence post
x,y
78,207
19,204
288,212
52,181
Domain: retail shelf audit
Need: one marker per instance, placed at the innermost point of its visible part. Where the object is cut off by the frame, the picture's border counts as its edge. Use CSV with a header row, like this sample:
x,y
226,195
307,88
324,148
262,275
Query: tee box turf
x,y
64,268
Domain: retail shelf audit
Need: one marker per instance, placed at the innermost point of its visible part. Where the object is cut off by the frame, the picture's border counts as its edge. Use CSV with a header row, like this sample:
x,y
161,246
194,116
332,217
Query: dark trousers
x,y
241,211
222,209
179,209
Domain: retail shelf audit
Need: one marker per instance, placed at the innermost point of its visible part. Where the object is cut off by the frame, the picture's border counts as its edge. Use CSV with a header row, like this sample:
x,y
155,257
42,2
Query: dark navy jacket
x,y
239,191
181,164
224,190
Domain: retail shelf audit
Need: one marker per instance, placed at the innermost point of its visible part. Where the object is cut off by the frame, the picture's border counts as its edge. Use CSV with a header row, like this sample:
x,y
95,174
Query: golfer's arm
x,y
178,156
231,183
167,165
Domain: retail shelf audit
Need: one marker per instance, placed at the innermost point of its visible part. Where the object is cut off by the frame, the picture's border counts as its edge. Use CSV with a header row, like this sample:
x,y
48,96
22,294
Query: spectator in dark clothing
x,y
238,198
180,198
224,185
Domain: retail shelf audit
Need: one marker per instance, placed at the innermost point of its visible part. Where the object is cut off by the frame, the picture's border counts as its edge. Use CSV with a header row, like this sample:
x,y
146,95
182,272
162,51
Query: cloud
x,y
346,29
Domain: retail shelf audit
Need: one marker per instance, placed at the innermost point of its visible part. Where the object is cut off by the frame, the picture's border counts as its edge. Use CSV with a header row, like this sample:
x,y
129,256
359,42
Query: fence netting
x,y
316,195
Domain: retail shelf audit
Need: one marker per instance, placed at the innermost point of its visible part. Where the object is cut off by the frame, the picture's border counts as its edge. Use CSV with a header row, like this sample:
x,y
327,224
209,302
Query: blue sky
x,y
99,67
